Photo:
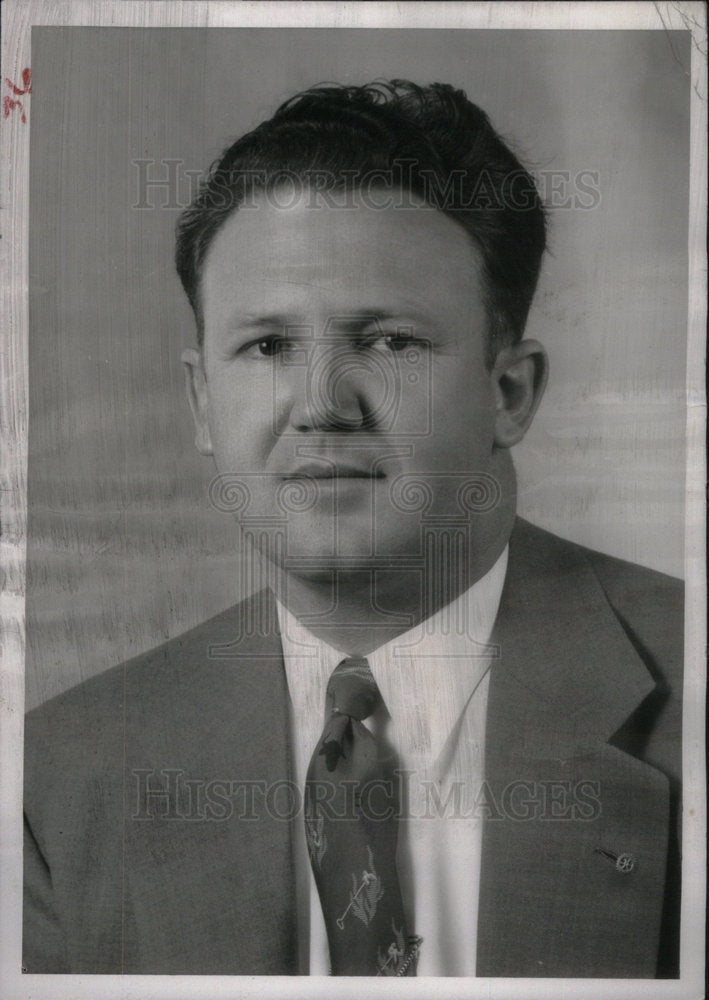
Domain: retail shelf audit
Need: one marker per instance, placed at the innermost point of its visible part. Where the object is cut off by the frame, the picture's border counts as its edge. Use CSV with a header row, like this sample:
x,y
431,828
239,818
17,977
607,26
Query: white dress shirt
x,y
434,681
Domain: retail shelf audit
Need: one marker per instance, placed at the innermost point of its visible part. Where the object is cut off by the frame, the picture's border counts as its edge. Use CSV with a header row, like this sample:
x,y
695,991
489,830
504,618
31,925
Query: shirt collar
x,y
426,676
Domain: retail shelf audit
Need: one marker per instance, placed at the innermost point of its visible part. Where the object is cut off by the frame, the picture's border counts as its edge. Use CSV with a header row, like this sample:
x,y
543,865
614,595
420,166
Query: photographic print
x,y
355,574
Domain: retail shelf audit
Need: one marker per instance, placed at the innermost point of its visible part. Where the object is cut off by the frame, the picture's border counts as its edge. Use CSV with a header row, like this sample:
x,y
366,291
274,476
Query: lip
x,y
340,470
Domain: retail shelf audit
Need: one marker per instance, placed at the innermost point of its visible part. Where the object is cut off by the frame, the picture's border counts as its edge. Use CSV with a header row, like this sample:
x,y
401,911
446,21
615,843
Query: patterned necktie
x,y
351,812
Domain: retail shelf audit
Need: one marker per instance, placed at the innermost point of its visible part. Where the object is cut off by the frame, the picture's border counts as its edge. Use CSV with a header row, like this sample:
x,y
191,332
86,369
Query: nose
x,y
330,391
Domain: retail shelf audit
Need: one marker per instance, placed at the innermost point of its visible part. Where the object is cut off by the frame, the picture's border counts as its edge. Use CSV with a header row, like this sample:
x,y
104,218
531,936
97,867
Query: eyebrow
x,y
350,322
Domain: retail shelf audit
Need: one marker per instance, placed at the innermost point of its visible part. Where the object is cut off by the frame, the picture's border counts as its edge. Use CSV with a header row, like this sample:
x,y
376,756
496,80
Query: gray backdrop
x,y
124,550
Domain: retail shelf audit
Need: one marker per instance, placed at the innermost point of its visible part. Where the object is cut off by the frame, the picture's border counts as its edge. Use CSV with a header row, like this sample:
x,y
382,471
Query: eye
x,y
399,341
270,346
266,347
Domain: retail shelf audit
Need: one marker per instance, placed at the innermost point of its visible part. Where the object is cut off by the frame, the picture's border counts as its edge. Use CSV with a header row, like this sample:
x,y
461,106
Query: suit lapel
x,y
552,903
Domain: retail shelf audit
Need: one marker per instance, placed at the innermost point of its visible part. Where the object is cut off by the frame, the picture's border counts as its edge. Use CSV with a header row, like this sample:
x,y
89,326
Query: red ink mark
x,y
26,81
9,104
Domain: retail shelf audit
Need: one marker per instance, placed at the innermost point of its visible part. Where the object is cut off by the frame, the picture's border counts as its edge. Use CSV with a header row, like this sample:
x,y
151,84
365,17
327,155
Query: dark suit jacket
x,y
583,757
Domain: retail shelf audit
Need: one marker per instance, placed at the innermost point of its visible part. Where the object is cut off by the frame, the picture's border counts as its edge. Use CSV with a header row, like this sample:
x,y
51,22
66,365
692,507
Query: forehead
x,y
306,255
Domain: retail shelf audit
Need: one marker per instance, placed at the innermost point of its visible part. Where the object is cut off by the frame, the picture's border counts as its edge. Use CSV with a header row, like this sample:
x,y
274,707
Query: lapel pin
x,y
624,863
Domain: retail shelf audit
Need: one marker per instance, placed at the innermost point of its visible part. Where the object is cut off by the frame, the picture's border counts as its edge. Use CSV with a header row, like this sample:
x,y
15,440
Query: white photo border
x,y
18,18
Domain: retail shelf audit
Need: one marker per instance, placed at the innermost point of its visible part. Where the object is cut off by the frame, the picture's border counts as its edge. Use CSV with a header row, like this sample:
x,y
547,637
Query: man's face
x,y
345,386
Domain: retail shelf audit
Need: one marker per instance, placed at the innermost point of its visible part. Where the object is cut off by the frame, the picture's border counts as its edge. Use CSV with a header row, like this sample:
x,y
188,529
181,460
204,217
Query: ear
x,y
520,377
198,398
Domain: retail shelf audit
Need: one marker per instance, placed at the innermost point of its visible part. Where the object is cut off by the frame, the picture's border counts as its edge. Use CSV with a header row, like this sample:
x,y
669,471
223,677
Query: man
x,y
361,267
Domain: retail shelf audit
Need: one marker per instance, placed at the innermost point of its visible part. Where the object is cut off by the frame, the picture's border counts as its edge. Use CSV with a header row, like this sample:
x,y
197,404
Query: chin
x,y
311,547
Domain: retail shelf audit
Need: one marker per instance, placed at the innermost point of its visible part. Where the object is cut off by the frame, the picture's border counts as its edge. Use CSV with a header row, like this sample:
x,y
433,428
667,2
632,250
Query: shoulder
x,y
160,697
649,607
632,590
648,604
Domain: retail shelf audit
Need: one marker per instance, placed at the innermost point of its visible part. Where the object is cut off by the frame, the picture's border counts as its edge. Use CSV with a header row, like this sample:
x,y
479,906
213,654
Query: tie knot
x,y
352,689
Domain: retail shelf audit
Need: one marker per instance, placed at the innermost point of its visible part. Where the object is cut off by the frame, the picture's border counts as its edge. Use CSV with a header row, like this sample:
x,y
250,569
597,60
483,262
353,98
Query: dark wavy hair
x,y
432,141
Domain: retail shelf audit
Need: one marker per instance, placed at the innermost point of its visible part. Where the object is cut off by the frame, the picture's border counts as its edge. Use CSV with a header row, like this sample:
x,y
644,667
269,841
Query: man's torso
x,y
582,765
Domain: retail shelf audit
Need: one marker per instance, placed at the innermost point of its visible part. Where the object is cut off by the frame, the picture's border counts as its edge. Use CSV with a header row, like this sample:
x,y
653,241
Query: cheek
x,y
240,420
461,404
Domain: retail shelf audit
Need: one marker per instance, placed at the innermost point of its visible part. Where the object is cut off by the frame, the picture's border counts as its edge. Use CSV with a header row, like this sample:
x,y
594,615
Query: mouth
x,y
333,471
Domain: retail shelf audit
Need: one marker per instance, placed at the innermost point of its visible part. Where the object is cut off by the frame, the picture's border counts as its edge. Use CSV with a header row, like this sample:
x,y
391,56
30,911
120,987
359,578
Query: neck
x,y
358,610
